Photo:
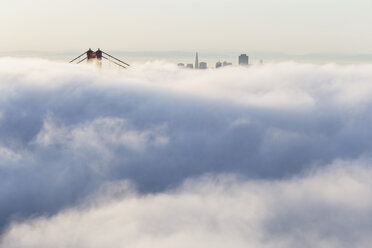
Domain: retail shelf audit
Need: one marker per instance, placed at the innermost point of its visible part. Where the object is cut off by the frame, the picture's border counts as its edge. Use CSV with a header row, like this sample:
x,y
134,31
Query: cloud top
x,y
288,142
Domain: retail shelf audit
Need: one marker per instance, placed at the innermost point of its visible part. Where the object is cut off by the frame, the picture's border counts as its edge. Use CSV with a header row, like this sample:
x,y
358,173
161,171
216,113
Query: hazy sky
x,y
290,26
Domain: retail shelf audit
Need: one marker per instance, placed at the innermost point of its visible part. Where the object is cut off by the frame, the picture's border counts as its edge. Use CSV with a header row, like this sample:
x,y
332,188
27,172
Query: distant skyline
x,y
287,26
211,57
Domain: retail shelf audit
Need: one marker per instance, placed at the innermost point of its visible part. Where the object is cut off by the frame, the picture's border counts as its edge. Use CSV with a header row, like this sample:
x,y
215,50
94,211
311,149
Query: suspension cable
x,y
114,62
77,57
82,60
115,58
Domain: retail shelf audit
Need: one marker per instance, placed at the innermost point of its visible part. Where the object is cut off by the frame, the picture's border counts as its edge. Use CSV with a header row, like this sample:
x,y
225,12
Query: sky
x,y
288,26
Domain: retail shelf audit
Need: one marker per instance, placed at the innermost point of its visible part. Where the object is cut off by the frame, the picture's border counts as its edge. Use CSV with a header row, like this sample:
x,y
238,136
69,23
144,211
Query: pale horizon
x,y
209,56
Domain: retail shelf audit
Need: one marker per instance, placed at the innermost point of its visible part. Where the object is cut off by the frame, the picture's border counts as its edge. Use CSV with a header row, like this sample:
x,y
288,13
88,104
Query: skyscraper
x,y
196,61
243,59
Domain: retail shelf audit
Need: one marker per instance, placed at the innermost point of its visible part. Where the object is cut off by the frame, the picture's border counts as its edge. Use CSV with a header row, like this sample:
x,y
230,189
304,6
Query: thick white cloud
x,y
329,208
99,133
66,131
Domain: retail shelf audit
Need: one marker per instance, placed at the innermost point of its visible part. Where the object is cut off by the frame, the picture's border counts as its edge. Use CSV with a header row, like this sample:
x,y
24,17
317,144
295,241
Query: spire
x,y
196,61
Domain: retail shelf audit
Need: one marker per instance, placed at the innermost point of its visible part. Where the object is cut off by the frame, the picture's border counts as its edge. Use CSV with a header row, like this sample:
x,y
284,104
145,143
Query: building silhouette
x,y
190,66
243,59
181,64
203,65
196,61
225,63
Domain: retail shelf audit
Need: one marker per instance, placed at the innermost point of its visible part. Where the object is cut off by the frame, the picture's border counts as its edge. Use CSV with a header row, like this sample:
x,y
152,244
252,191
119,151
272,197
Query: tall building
x,y
196,61
243,59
